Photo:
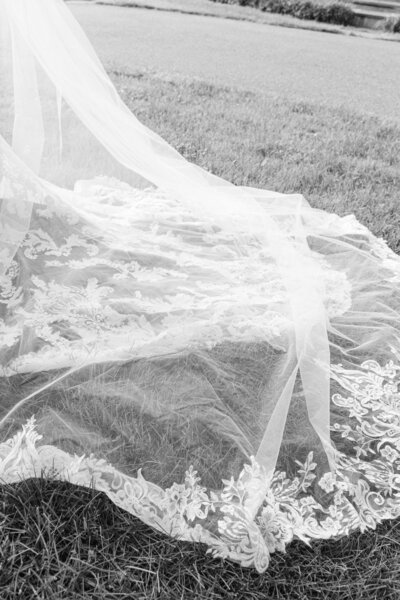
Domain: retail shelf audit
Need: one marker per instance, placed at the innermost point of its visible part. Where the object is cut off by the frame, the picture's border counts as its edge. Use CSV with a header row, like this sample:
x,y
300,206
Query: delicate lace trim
x,y
182,511
252,516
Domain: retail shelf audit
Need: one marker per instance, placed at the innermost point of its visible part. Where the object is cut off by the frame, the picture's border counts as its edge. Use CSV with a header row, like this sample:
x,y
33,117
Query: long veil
x,y
221,361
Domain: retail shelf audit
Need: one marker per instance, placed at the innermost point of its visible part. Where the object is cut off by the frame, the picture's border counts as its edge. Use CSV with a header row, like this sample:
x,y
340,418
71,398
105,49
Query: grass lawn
x,y
62,542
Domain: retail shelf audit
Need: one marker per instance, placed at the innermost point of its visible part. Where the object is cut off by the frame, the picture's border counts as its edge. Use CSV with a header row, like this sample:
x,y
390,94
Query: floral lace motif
x,y
253,516
164,282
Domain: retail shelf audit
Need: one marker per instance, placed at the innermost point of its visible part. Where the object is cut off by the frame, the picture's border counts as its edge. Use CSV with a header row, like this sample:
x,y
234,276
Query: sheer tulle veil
x,y
221,361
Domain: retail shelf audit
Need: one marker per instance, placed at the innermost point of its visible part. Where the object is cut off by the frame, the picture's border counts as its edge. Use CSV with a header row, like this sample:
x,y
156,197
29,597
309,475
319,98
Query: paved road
x,y
359,73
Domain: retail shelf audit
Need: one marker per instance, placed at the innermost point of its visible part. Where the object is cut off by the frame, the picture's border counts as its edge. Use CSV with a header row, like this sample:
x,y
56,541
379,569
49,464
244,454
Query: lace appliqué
x,y
253,516
166,282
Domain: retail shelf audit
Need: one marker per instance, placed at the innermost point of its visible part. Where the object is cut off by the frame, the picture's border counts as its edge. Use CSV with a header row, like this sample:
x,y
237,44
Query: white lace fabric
x,y
362,492
150,290
222,362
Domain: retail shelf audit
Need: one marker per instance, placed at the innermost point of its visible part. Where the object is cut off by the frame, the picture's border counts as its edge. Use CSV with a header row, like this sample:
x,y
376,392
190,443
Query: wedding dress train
x,y
222,362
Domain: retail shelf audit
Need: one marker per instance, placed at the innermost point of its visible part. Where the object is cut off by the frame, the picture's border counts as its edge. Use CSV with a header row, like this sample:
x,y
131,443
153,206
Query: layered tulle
x,y
221,361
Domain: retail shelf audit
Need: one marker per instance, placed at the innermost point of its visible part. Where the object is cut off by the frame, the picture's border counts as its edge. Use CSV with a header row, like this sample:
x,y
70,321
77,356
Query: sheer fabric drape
x,y
221,361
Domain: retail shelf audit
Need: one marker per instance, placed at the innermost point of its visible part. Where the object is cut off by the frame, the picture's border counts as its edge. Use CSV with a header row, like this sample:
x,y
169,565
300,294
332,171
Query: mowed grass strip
x,y
58,541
